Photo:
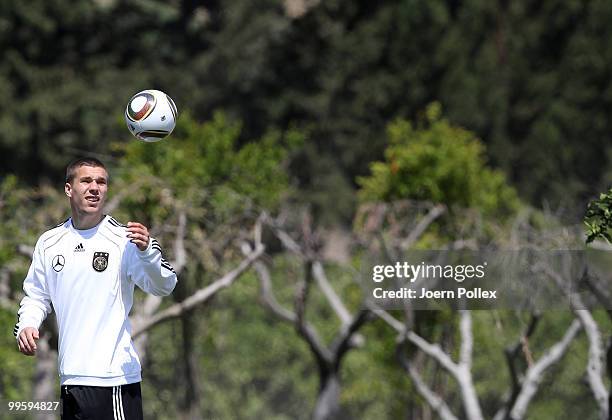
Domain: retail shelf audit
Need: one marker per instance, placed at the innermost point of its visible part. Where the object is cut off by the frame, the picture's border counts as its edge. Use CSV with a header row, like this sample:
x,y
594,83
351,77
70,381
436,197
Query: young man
x,y
86,268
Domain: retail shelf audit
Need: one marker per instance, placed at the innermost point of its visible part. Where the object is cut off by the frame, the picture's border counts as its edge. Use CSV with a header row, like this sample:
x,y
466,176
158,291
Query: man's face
x,y
87,191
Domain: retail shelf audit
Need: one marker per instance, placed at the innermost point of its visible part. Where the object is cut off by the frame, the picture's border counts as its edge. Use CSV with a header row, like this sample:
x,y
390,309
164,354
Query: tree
x,y
598,218
440,163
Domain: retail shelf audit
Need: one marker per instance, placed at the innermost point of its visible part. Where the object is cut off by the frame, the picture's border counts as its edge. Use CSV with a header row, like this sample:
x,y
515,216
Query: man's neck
x,y
85,221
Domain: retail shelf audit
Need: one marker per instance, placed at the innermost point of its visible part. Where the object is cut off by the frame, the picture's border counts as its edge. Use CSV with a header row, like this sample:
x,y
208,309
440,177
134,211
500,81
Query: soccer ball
x,y
150,115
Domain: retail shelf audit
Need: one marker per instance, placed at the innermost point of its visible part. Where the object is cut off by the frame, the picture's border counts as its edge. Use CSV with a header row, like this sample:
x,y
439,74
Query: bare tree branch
x,y
268,296
201,295
317,271
335,302
535,373
464,368
284,237
435,212
595,364
596,353
460,371
270,301
151,304
328,358
330,294
511,354
321,353
113,203
25,250
432,350
325,357
180,254
343,340
467,339
5,288
601,293
435,402
398,326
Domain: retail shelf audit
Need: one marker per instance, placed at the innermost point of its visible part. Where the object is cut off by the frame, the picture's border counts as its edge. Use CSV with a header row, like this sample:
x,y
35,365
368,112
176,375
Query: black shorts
x,y
101,402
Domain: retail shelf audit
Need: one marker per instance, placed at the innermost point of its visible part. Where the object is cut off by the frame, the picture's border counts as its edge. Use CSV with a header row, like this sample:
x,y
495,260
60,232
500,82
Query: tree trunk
x,y
46,376
468,395
328,400
190,407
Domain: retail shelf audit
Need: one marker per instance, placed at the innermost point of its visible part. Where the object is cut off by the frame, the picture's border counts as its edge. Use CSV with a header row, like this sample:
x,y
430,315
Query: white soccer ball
x,y
151,115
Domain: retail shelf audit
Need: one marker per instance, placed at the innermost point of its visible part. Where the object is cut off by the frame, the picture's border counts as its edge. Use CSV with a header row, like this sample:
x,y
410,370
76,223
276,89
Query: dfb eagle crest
x,y
100,261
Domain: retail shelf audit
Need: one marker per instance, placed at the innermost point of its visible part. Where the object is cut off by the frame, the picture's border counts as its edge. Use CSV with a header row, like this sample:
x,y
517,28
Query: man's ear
x,y
68,189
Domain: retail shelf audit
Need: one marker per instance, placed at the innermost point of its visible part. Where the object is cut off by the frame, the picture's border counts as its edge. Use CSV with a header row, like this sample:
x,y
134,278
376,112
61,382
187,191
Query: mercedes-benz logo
x,y
58,263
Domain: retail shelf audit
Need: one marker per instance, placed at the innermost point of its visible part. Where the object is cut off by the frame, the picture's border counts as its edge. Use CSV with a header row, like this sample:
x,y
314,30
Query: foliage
x,y
440,163
203,168
598,218
530,81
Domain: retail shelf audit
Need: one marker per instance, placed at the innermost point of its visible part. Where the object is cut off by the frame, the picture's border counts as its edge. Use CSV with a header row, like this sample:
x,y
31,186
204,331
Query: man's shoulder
x,y
114,227
111,221
55,232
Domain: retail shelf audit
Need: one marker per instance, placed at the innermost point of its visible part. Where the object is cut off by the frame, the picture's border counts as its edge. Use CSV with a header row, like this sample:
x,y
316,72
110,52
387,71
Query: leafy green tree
x,y
437,162
598,218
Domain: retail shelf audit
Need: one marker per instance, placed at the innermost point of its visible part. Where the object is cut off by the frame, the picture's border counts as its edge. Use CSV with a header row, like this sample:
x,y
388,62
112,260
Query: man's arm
x,y
146,266
35,306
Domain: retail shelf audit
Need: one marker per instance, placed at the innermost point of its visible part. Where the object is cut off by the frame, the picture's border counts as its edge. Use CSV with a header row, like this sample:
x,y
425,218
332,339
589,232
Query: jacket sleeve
x,y
36,304
149,270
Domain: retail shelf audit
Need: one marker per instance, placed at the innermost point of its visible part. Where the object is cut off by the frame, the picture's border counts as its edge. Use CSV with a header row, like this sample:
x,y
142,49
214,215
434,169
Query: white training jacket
x,y
89,276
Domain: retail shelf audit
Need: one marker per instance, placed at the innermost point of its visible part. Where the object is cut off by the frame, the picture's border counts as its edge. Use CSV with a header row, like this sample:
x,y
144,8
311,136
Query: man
x,y
86,268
